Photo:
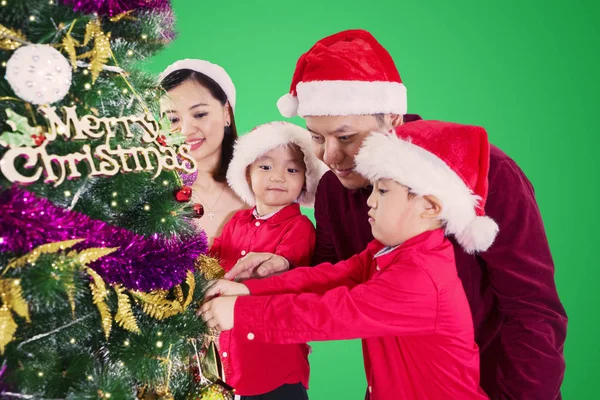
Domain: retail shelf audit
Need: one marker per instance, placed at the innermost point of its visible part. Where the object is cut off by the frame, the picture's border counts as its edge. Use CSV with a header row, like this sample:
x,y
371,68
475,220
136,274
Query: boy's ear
x,y
248,176
433,207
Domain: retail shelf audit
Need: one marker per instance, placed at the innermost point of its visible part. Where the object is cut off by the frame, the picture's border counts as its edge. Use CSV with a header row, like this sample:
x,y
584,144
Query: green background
x,y
526,71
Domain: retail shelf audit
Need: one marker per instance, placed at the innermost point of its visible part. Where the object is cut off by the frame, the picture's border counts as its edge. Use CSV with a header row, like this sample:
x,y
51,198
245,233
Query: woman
x,y
200,101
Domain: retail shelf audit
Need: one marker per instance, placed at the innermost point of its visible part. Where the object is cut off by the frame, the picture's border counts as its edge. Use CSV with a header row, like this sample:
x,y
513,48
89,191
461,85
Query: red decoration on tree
x,y
162,140
198,210
184,194
39,139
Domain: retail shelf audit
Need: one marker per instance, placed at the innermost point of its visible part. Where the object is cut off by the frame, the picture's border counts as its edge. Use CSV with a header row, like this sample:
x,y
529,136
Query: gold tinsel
x,y
99,295
101,51
8,36
210,267
124,316
179,294
8,327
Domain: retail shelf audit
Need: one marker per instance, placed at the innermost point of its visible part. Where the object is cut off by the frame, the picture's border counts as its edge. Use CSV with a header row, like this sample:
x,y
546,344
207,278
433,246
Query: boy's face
x,y
394,216
277,178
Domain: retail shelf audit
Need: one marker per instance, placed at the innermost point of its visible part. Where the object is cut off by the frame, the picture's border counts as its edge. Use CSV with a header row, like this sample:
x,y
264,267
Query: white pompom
x,y
39,74
288,105
478,235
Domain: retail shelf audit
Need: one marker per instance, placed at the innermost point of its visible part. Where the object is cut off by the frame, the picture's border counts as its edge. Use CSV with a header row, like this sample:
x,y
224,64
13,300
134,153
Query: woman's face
x,y
200,117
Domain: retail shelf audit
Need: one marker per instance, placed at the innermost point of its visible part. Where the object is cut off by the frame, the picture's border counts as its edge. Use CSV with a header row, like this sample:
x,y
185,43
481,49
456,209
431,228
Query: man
x,y
347,86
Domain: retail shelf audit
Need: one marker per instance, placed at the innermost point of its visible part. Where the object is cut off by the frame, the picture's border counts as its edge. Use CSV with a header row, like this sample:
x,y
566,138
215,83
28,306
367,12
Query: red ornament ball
x,y
184,194
198,210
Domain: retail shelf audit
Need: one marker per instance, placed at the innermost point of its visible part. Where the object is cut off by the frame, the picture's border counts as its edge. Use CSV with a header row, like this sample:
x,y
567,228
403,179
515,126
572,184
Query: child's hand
x,y
223,287
218,313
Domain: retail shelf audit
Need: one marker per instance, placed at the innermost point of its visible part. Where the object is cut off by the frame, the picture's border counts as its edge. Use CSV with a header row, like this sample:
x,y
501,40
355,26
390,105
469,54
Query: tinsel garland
x,y
140,263
115,7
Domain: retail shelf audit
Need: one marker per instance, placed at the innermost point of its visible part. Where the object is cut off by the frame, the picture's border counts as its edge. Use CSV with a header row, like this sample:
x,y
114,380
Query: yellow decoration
x,y
8,327
101,51
99,295
87,256
191,282
10,39
215,391
125,15
32,257
179,294
124,316
69,44
210,267
12,297
156,304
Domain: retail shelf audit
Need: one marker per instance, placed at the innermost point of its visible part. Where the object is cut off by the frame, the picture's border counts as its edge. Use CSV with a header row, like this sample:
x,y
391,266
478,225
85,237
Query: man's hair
x,y
380,119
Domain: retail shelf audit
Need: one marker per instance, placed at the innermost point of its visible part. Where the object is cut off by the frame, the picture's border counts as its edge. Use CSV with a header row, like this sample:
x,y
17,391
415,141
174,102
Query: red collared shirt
x,y
254,368
408,305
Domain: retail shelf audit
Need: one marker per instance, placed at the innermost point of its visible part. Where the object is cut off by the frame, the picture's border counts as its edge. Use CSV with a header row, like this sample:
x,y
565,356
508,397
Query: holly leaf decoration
x,y
171,137
23,134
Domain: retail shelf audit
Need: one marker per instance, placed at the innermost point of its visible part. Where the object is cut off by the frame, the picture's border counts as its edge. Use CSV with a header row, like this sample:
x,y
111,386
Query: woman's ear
x,y
227,114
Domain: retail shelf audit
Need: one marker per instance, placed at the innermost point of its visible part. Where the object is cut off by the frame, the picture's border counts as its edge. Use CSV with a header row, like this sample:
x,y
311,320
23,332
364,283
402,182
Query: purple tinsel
x,y
141,263
116,7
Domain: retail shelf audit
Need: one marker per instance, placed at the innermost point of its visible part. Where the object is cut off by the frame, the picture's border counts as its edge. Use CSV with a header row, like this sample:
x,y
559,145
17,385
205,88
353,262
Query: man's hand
x,y
258,265
218,313
223,287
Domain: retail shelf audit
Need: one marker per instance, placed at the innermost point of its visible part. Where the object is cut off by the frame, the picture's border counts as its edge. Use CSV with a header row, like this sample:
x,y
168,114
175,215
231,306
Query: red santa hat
x,y
266,137
348,73
447,160
213,71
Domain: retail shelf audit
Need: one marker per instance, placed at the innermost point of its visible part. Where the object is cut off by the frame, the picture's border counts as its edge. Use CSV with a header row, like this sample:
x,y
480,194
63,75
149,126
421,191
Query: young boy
x,y
401,295
273,170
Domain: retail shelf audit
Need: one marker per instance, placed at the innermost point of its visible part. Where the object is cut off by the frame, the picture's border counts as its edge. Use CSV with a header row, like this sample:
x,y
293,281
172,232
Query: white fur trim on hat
x,y
213,71
253,145
386,156
288,105
349,98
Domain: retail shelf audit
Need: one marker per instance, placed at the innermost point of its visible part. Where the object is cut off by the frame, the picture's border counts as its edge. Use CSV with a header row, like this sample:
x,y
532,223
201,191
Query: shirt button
x,y
251,336
243,252
257,223
224,354
377,268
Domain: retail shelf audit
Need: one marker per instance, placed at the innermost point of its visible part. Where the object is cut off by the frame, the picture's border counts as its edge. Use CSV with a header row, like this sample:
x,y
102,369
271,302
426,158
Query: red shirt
x,y
520,323
257,368
408,306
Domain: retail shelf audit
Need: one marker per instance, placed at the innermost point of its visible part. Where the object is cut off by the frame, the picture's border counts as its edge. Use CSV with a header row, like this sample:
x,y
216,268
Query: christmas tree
x,y
100,263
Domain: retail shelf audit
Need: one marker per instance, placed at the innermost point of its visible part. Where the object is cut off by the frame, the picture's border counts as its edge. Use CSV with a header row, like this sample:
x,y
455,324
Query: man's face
x,y
337,139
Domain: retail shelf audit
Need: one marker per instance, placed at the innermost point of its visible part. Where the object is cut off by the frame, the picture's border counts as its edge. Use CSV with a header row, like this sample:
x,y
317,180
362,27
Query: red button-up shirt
x,y
408,305
254,368
520,323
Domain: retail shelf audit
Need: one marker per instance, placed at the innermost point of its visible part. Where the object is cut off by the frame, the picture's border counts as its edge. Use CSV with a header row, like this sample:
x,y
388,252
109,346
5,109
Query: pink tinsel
x,y
116,7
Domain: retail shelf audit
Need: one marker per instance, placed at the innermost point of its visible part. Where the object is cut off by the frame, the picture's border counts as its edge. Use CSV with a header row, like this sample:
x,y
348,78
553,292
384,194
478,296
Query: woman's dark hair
x,y
175,79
